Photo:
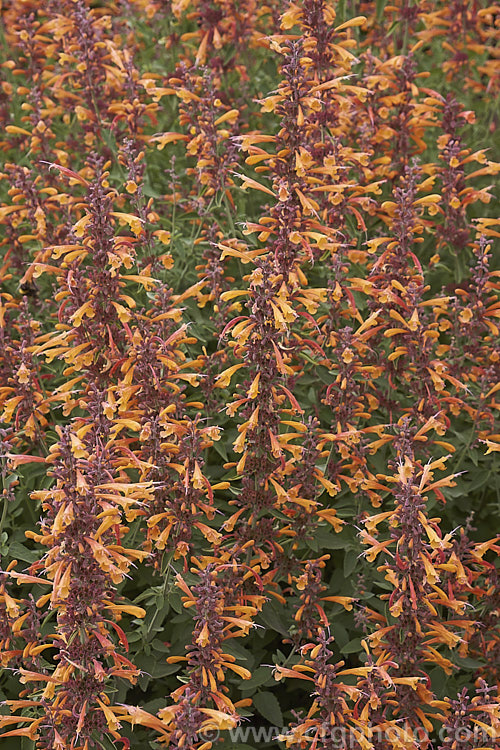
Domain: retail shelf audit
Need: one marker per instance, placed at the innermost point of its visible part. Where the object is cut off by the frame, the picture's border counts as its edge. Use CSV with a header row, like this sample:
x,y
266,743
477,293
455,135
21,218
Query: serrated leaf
x,y
268,706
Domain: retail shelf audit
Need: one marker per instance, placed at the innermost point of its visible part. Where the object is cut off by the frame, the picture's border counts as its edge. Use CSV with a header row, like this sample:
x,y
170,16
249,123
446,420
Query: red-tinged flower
x,y
22,399
471,720
211,129
220,612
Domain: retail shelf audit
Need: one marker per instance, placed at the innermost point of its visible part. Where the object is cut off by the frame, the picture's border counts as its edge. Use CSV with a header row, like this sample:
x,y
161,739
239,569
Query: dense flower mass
x,y
249,375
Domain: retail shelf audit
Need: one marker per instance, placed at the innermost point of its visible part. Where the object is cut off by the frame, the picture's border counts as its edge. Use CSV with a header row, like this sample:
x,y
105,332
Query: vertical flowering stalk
x,y
478,577
10,610
310,615
334,716
154,257
304,485
293,228
94,309
352,397
470,322
471,722
37,121
257,338
29,220
24,403
221,24
83,510
211,125
334,177
208,666
397,286
454,229
183,504
418,560
82,528
81,31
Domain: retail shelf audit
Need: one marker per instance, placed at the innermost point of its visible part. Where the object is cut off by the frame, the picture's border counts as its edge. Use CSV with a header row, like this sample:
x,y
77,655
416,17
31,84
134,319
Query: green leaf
x,y
439,681
221,448
466,662
174,599
352,647
155,666
237,650
350,561
160,646
340,633
271,617
268,706
329,539
22,553
259,677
